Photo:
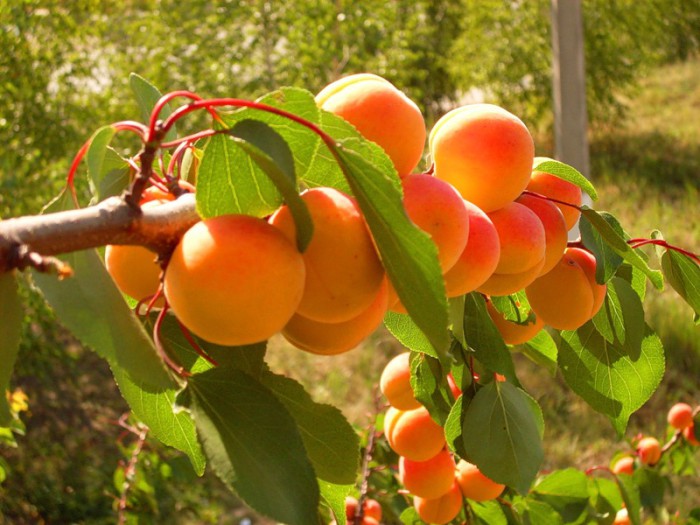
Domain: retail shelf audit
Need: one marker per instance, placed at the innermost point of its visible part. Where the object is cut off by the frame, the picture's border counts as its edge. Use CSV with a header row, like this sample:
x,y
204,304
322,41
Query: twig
x,y
141,431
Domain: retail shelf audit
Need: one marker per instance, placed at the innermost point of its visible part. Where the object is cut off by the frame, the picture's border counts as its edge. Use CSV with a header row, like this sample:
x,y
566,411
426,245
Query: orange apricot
x,y
134,270
555,231
428,479
480,257
395,383
442,509
413,433
512,332
372,512
622,517
689,435
234,280
559,189
485,152
474,484
381,113
336,338
568,296
505,284
649,450
343,270
680,416
624,465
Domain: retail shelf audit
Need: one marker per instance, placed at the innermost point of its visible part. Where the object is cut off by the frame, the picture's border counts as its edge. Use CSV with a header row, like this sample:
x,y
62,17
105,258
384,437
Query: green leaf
x,y
535,512
652,487
567,173
454,426
408,254
483,337
406,331
147,95
609,379
429,384
610,232
254,445
542,350
630,495
564,490
605,499
684,275
514,307
607,259
410,517
621,318
330,441
635,278
334,496
488,512
502,437
10,332
107,170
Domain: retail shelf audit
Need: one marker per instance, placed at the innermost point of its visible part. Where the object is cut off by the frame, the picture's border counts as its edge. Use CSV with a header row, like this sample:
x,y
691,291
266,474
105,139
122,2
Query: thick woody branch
x,y
112,221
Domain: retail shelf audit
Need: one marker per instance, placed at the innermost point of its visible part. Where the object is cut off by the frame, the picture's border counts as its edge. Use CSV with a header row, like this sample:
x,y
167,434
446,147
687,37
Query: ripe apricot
x,y
442,509
479,259
512,332
134,270
649,450
622,518
680,416
624,465
413,434
559,189
395,383
428,479
568,296
234,280
485,152
474,484
335,338
381,113
343,270
555,231
372,510
689,435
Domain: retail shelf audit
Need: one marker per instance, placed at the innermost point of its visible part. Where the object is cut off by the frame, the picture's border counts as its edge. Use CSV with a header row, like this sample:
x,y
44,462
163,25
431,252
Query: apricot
x,y
568,296
624,465
336,338
134,270
372,510
522,239
689,435
479,259
456,391
555,230
559,189
485,152
649,450
395,383
680,416
512,332
381,113
622,517
442,509
474,484
343,270
413,434
428,479
234,280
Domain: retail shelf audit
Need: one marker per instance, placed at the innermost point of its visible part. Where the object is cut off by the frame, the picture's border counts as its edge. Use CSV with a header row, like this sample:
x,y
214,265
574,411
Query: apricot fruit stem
x,y
160,348
551,199
637,243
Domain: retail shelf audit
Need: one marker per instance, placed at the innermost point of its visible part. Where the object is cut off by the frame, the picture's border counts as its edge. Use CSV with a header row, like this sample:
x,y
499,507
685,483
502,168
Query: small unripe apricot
x,y
680,416
649,451
480,257
381,113
485,152
336,338
234,280
689,435
395,383
512,332
568,296
624,465
343,270
552,186
475,485
428,479
442,509
413,433
555,231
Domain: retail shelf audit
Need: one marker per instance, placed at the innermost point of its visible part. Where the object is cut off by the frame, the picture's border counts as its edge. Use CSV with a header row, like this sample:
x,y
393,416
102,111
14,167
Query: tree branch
x,y
112,221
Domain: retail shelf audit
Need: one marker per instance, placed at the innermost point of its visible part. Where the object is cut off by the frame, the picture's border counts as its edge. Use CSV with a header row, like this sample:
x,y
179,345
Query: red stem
x,y
193,138
200,351
637,243
545,197
175,367
163,101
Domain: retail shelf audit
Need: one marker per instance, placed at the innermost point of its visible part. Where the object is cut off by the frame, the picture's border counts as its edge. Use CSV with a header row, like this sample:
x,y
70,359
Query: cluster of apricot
x,y
426,467
236,280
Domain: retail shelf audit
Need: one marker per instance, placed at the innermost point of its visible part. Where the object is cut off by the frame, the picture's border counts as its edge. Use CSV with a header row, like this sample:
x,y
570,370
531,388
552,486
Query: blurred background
x,y
64,70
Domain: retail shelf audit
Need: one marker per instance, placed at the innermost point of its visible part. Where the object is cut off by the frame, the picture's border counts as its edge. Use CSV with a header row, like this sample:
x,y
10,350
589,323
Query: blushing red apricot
x,y
428,479
381,113
442,509
395,383
343,270
680,416
624,465
555,230
689,435
336,338
234,280
437,208
413,433
372,513
475,485
480,257
556,188
649,450
568,296
512,332
485,152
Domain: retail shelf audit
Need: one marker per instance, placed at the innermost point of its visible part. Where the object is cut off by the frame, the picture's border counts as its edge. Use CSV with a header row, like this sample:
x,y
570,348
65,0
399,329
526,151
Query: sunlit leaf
x,y
147,95
565,172
684,275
